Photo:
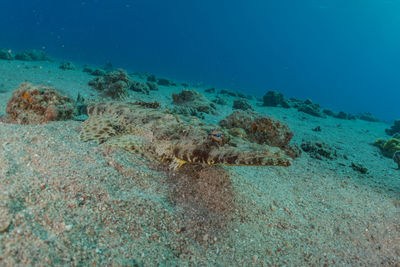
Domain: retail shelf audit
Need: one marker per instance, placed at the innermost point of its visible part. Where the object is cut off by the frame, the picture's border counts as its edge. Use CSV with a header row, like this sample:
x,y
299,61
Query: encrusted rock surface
x,y
114,84
195,100
32,104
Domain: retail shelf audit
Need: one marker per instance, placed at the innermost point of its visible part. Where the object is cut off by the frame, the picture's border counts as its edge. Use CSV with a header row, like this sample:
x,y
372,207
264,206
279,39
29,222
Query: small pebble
x,y
5,219
205,237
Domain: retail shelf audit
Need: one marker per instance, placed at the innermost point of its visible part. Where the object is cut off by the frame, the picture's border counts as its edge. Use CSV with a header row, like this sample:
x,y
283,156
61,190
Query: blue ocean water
x,y
342,54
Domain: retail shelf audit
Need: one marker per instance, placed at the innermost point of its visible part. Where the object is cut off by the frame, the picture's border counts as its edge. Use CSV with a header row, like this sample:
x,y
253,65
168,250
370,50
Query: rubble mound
x,y
114,84
32,104
195,100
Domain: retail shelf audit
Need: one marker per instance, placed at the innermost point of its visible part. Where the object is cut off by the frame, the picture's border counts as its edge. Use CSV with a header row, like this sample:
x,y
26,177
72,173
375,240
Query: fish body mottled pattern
x,y
161,136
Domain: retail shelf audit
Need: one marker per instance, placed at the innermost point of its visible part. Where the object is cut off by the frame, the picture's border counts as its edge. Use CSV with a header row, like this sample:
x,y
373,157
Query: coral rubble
x,y
6,54
227,92
311,108
262,130
275,99
319,150
164,82
32,55
139,87
395,128
67,66
114,84
220,101
241,104
367,116
94,72
329,112
151,78
152,86
195,100
32,104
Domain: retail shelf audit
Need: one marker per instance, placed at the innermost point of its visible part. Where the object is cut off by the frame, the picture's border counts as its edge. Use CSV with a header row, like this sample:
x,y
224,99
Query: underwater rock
x,y
195,100
87,69
366,116
94,72
152,86
97,72
329,112
295,102
6,54
319,150
359,168
114,84
152,78
32,104
164,82
241,95
139,87
260,129
220,101
275,99
32,55
174,140
311,108
227,92
241,104
351,117
344,116
6,219
395,128
341,115
67,66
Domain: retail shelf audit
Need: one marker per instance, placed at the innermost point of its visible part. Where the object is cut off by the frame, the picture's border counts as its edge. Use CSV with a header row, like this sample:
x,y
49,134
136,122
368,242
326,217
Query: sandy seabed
x,y
65,202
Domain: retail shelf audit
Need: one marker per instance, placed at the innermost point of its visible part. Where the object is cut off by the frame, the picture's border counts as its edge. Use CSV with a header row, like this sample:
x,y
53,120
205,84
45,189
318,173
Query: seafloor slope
x,y
68,202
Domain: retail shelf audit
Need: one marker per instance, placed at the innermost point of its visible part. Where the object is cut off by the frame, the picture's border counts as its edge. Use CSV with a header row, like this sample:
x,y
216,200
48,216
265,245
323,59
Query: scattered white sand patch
x,y
66,202
317,215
